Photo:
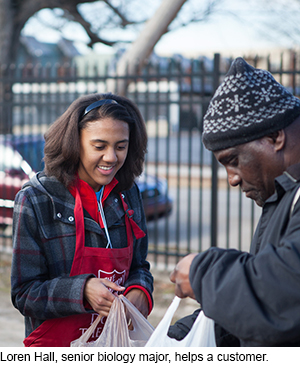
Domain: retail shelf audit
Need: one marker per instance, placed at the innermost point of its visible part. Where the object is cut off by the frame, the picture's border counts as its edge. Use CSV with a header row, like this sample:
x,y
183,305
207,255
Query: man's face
x,y
253,166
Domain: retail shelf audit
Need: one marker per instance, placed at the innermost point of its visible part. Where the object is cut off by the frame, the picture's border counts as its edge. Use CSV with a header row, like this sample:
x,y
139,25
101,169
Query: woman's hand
x,y
139,299
98,295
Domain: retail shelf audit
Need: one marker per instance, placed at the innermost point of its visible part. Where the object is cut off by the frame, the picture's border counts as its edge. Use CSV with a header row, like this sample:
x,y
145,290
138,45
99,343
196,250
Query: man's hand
x,y
139,299
97,293
180,277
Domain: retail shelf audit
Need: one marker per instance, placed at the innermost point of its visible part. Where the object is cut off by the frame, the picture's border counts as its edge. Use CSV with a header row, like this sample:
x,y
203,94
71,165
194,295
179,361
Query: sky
x,y
218,36
239,28
221,33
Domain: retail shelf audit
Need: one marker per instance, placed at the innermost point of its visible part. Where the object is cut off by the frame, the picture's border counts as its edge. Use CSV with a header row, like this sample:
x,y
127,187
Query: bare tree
x,y
98,17
13,16
122,14
15,13
142,47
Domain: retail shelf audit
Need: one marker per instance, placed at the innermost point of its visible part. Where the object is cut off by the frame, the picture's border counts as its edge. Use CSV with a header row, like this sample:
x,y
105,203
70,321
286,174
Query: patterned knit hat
x,y
248,105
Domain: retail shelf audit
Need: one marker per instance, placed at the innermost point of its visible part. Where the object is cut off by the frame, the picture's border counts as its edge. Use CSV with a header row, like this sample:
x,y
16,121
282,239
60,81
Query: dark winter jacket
x,y
256,296
44,242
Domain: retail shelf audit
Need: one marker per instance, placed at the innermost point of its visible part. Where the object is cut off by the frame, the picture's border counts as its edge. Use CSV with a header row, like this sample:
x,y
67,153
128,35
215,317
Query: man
x,y
253,127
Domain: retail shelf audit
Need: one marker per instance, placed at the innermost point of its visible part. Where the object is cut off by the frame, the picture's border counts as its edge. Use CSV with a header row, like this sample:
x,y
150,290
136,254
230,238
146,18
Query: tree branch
x,y
124,20
72,9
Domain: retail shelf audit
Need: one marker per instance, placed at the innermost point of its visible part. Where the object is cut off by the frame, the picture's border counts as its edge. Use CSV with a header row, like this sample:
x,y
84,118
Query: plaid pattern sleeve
x,y
41,286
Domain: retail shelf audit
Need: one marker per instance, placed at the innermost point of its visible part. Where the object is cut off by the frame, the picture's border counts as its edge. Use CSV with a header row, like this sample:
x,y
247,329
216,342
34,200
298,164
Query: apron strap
x,y
80,235
138,232
131,226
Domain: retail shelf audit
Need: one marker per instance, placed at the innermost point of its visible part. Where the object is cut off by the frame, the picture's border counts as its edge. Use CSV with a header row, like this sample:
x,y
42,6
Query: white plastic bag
x,y
115,332
202,333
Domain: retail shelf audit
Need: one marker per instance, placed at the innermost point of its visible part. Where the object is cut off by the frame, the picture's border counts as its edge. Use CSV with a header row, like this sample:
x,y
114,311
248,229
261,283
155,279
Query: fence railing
x,y
173,96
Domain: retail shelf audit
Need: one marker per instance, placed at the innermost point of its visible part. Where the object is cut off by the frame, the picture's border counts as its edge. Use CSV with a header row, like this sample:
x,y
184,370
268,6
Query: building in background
x,y
33,51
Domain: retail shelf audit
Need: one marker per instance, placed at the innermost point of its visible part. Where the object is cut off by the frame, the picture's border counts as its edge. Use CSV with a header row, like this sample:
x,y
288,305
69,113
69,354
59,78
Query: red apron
x,y
110,263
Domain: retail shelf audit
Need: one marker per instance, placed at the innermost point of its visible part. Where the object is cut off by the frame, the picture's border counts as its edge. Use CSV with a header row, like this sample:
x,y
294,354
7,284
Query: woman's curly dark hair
x,y
62,140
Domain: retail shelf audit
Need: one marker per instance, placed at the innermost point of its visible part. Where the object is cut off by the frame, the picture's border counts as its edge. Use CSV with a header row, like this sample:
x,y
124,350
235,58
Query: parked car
x,y
15,171
156,200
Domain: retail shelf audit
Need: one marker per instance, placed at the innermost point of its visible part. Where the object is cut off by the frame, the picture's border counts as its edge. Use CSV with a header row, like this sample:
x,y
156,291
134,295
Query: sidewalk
x,y
12,323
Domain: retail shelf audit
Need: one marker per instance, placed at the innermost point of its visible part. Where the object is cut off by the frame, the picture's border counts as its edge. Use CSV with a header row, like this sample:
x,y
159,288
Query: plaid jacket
x,y
44,242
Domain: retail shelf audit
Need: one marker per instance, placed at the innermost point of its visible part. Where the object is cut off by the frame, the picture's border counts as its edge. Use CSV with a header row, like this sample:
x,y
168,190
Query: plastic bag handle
x,y
87,334
201,333
136,315
115,331
164,324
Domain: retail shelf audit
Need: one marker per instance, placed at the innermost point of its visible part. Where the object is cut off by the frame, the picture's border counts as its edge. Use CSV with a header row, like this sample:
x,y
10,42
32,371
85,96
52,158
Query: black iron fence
x,y
173,95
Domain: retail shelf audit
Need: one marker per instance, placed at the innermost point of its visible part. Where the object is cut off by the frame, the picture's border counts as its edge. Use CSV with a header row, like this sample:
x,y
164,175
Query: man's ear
x,y
278,138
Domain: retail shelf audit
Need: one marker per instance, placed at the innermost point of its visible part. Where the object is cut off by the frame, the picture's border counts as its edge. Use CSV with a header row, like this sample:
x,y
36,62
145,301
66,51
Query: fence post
x,y
214,168
6,81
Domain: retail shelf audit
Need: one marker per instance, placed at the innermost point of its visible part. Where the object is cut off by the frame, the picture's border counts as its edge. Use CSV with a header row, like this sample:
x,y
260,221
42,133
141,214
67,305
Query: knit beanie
x,y
248,105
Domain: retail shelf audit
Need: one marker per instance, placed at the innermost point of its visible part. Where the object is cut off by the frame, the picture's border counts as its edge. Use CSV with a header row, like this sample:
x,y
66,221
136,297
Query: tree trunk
x,y
134,58
13,17
6,38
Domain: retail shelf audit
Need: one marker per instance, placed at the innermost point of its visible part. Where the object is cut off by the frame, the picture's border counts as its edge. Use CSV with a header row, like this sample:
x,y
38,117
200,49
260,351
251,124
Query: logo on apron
x,y
114,276
119,279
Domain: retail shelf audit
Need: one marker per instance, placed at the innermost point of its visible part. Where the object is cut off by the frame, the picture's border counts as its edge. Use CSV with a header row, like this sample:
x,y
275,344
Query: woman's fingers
x,y
111,285
98,292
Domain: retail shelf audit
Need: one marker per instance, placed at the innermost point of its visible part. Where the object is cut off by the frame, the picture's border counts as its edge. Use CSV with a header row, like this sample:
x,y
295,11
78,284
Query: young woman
x,y
79,232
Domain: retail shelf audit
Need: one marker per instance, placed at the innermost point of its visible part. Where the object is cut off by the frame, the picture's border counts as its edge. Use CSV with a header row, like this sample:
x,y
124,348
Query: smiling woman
x,y
63,140
103,150
80,233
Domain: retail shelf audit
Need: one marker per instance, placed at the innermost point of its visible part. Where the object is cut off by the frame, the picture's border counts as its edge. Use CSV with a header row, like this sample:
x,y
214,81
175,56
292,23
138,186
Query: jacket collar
x,y
88,197
63,202
293,172
287,181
